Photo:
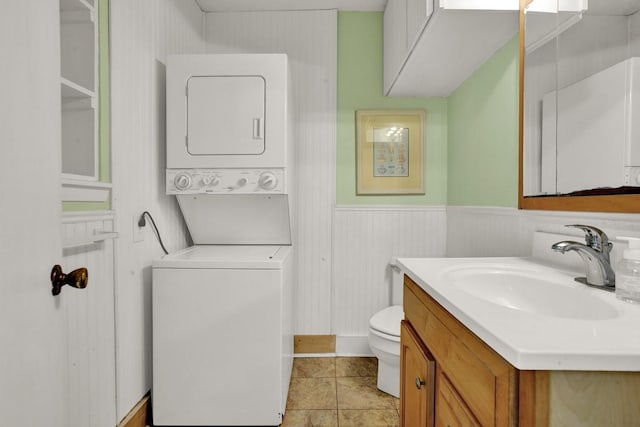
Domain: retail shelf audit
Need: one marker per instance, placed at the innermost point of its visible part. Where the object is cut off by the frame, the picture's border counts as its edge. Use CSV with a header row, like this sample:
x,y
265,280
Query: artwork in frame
x,y
390,152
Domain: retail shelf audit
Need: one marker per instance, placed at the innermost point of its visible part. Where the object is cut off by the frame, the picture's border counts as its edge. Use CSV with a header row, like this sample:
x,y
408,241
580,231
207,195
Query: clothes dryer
x,y
222,309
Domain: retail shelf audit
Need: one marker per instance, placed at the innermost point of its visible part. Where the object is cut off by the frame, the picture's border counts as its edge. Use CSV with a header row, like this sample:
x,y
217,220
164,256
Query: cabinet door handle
x,y
419,383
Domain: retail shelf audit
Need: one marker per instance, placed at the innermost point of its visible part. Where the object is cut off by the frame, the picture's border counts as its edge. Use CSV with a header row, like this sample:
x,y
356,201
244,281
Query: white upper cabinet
x,y
432,46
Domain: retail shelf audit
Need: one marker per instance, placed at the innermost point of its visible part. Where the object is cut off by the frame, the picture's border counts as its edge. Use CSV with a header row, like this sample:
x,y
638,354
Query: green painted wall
x,y
482,134
104,135
360,88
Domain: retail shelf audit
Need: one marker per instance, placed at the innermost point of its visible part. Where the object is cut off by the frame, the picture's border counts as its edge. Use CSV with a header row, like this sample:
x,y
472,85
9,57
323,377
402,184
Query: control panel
x,y
225,181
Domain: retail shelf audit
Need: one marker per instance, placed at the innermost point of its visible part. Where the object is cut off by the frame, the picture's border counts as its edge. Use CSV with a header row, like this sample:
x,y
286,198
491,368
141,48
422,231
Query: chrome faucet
x,y
595,254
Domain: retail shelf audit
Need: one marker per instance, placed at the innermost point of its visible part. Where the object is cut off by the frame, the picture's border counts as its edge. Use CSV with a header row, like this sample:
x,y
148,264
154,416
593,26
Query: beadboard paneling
x,y
486,232
365,240
309,38
143,33
90,322
482,231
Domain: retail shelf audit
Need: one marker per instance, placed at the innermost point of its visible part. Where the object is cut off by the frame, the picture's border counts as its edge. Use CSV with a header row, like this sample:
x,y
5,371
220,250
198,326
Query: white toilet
x,y
384,337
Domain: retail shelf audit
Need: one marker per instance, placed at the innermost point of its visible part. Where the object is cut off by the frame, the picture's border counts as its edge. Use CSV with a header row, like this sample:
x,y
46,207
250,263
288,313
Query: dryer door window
x,y
225,115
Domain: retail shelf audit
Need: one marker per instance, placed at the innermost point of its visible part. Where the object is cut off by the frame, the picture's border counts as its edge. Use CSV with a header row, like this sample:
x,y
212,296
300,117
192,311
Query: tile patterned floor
x,y
338,392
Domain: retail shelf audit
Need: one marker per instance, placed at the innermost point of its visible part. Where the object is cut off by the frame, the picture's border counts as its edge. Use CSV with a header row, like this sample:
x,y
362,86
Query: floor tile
x,y
367,418
356,366
310,418
314,367
362,393
312,393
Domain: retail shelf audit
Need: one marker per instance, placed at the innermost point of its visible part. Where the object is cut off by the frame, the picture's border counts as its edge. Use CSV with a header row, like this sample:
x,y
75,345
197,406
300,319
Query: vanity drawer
x,y
484,380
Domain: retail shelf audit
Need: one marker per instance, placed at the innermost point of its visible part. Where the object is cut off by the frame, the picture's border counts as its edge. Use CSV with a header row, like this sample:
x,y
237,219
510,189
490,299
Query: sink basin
x,y
532,312
540,291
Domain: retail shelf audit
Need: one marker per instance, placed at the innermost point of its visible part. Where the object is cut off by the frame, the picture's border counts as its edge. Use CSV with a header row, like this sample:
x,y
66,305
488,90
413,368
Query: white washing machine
x,y
222,335
222,309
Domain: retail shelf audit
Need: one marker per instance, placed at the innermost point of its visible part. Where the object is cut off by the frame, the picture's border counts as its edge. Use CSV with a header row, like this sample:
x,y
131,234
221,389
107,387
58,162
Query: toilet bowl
x,y
384,336
384,340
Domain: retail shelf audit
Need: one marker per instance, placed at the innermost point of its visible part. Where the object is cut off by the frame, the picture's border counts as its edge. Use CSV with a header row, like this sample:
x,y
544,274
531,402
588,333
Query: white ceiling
x,y
260,5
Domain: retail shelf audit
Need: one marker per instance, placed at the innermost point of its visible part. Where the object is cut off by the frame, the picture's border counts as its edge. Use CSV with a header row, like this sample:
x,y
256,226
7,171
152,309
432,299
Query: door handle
x,y
78,278
257,128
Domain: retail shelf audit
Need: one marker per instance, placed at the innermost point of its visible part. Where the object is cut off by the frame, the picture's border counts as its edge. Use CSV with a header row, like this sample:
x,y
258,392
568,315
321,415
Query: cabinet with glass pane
x,y
79,85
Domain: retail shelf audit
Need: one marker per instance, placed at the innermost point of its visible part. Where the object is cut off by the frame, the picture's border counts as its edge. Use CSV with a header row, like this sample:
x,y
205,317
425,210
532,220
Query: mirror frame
x,y
625,203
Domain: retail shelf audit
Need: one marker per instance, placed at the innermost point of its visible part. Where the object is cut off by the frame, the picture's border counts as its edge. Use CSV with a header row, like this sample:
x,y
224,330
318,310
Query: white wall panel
x,y
486,232
143,33
365,240
310,40
481,231
90,321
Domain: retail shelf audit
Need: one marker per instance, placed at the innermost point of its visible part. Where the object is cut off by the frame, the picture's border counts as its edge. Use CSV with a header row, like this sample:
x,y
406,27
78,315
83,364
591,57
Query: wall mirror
x,y
580,105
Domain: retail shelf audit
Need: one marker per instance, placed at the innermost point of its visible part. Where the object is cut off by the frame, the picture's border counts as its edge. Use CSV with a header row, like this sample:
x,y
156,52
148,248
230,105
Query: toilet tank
x,y
397,282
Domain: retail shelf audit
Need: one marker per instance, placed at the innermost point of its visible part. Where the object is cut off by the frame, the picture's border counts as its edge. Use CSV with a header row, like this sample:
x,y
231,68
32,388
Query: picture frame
x,y
390,152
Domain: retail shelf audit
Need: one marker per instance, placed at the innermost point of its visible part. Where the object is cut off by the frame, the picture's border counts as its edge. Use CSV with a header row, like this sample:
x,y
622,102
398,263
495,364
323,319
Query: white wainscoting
x,y
309,38
143,33
90,319
365,239
486,231
481,231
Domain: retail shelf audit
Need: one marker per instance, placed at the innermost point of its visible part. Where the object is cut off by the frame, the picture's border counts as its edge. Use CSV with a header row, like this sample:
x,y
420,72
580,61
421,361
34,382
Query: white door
x,y
33,384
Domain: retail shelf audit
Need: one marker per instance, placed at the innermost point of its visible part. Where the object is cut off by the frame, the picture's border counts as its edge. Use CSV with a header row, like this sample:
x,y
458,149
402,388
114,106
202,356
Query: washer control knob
x,y
268,181
211,180
182,181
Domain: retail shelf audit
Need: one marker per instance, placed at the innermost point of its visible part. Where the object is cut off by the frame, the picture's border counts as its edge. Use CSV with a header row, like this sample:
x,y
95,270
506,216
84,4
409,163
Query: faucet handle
x,y
595,238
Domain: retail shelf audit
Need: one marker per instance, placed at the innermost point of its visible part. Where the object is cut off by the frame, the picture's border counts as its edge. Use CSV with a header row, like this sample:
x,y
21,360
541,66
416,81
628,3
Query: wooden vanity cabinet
x,y
474,386
452,409
468,384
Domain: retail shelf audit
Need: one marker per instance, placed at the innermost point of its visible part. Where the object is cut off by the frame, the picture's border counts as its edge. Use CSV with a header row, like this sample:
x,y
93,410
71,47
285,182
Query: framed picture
x,y
390,151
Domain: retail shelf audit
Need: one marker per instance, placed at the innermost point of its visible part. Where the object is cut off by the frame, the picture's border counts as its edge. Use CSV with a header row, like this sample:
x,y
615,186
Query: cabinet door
x,y
483,380
418,12
416,381
450,408
394,40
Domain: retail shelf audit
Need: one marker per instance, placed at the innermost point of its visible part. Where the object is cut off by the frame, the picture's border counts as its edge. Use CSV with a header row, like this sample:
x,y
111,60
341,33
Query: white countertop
x,y
530,339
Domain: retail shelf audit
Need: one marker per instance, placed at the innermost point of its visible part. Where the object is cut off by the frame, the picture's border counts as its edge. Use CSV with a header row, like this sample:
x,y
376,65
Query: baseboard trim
x,y
140,415
353,345
331,345
314,344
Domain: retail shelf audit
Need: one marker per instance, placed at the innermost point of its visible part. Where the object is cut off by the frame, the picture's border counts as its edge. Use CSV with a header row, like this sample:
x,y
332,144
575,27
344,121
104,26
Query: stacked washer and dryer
x,y
222,309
